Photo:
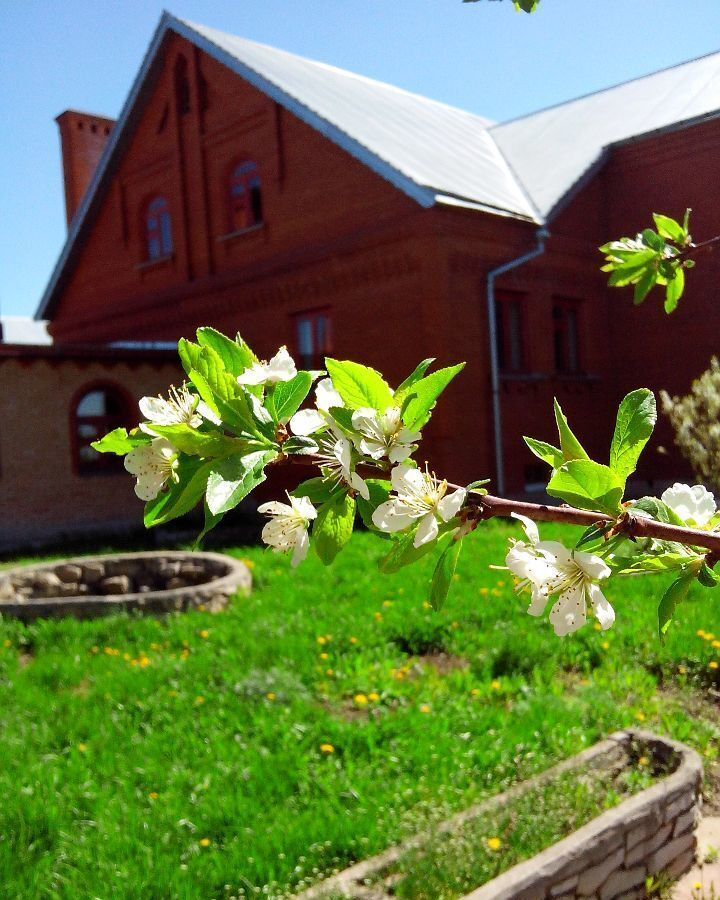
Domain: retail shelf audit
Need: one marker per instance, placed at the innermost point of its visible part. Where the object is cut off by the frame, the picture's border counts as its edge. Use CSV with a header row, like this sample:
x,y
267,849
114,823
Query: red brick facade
x,y
397,282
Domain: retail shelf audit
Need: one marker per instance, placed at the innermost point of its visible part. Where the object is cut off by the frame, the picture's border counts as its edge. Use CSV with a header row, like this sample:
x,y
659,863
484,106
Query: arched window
x,y
245,196
158,229
97,410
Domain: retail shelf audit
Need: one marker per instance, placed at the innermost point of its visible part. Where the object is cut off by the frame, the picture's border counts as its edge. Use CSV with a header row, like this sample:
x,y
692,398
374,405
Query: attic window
x,y
158,229
245,196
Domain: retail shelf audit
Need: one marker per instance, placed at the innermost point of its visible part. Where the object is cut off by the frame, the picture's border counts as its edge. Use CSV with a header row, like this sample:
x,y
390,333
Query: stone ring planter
x,y
607,859
153,582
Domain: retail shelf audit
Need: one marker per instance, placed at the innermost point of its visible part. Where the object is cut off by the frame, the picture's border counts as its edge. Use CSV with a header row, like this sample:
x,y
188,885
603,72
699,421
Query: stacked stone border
x,y
610,858
91,586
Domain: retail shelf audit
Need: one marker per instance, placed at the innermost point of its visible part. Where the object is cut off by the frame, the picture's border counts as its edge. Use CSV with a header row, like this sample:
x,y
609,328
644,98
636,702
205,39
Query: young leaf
x,y
571,446
675,594
635,423
546,452
669,228
231,480
303,446
118,441
653,240
658,510
288,396
707,577
674,290
333,527
379,490
189,354
404,552
360,386
588,485
643,287
424,396
403,389
211,521
236,355
443,575
317,490
182,496
203,443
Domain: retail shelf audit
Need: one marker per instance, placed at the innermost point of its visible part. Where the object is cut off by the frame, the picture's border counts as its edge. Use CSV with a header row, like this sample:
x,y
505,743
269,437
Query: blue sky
x,y
83,54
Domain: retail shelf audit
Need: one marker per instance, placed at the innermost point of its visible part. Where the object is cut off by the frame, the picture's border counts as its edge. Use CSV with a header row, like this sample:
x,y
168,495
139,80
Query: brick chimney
x,y
83,138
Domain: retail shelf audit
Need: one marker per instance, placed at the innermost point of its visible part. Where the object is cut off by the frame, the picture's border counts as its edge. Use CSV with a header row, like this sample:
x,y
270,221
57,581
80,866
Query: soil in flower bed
x,y
453,864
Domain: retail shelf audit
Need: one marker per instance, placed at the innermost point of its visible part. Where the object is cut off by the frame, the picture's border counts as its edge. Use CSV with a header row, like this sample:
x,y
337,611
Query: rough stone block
x,y
177,582
70,589
679,805
116,584
69,573
622,881
565,887
681,864
646,829
665,855
92,572
641,851
46,584
687,821
591,879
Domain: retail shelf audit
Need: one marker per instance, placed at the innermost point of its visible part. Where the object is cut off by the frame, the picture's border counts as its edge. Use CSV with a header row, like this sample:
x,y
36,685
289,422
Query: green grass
x,y
86,737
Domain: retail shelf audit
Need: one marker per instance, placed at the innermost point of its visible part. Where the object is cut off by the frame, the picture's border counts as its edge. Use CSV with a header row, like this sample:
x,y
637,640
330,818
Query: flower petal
x,y
592,565
302,545
157,410
275,508
451,504
326,397
360,486
427,531
385,518
570,612
539,602
529,527
604,613
307,421
400,452
303,507
256,374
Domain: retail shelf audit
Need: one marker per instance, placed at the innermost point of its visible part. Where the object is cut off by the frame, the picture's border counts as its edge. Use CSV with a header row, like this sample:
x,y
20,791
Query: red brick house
x,y
254,190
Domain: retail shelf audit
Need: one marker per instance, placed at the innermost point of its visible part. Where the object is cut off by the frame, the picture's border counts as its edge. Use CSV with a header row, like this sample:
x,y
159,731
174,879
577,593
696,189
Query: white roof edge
x,y
422,195
448,200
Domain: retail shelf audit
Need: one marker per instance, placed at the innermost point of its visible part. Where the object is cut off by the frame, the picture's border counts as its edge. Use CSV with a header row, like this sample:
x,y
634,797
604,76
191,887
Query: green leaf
x,y
443,574
404,553
317,490
412,379
707,577
478,487
588,485
302,446
646,283
686,222
231,479
182,496
669,228
118,441
333,527
674,290
675,594
203,443
211,521
570,445
546,452
379,490
659,511
287,396
235,355
653,240
189,354
426,392
342,417
635,422
360,386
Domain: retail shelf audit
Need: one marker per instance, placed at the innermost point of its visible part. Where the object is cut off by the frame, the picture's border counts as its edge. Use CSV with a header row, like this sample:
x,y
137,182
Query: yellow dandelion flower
x,y
496,593
716,645
378,617
199,701
249,563
126,656
494,844
322,640
709,636
475,692
353,640
271,696
82,748
373,697
713,665
153,795
201,607
700,633
387,604
324,656
605,645
640,716
134,662
361,700
495,685
585,682
426,605
93,650
698,886
643,761
204,634
682,670
327,749
597,626
484,591
185,654
501,583
145,662
425,708
205,842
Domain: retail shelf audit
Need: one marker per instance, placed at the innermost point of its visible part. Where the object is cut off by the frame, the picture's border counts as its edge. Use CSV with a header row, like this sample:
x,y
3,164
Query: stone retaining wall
x,y
607,859
90,586
612,856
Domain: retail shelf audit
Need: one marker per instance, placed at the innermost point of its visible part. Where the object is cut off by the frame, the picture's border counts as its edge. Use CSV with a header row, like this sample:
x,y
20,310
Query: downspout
x,y
541,235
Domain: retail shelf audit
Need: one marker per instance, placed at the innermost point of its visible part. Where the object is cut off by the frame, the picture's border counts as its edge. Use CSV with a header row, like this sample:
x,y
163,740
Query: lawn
x,y
312,724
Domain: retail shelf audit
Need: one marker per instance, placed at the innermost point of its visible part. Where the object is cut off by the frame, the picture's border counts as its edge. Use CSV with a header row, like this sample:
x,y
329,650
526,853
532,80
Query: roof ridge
x,y
487,123
612,87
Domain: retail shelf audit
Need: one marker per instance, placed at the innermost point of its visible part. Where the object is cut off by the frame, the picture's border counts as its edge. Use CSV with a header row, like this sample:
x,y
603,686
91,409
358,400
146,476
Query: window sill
x,y
241,232
152,263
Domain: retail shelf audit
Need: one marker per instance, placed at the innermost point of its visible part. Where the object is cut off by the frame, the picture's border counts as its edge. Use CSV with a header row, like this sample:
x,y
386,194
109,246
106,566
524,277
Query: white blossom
x,y
288,526
383,434
420,497
335,459
694,505
180,408
308,421
280,368
549,568
153,465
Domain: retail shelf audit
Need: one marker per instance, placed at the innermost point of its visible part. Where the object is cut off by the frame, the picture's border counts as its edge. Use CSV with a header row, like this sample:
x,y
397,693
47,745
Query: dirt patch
x,y
443,663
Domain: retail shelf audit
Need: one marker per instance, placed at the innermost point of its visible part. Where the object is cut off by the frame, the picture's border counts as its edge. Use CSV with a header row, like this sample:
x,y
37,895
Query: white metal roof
x,y
22,330
430,144
552,149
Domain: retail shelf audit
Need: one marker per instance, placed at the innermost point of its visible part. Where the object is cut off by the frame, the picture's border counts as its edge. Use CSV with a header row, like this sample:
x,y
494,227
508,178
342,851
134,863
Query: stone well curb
x,y
214,593
608,858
